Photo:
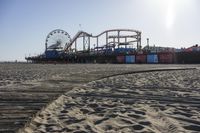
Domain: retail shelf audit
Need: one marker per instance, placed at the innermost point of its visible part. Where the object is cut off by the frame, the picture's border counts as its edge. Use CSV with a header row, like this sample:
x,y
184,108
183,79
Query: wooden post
x,y
83,43
97,44
88,43
75,46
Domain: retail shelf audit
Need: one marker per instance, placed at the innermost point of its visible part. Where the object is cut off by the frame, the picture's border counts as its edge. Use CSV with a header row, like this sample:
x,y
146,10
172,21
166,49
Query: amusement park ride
x,y
60,46
60,39
110,46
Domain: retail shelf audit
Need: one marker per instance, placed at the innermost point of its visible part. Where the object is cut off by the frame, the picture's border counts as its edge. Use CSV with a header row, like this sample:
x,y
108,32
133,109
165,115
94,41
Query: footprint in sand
x,y
93,105
101,120
183,114
192,127
139,112
63,111
146,123
85,111
135,116
80,131
100,110
73,120
127,121
66,130
138,127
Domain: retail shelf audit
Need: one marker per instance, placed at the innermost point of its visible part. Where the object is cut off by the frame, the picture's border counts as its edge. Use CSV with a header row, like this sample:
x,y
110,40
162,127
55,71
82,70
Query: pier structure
x,y
109,46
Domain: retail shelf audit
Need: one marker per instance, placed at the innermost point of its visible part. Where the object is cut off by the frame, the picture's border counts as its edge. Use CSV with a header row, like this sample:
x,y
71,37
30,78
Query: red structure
x,y
166,57
121,59
141,58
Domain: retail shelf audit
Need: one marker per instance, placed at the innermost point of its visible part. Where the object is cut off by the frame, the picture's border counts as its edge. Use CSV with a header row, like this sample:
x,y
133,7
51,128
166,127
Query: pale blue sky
x,y
24,24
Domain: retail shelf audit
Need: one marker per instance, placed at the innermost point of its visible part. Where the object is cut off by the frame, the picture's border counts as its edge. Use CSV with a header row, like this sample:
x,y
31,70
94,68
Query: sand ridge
x,y
161,102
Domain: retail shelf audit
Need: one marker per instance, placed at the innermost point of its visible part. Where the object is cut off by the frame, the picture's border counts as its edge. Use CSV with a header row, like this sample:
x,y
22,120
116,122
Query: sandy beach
x,y
99,98
146,102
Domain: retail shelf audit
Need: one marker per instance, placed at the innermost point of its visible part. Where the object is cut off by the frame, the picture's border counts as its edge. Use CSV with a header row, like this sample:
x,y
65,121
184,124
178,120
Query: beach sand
x,y
144,102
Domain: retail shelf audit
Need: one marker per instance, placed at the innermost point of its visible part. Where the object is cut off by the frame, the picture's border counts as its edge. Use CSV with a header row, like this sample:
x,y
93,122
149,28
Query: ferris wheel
x,y
57,39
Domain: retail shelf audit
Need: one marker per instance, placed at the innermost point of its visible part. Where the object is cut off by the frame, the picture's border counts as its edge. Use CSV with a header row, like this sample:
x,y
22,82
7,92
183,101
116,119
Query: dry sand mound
x,y
161,102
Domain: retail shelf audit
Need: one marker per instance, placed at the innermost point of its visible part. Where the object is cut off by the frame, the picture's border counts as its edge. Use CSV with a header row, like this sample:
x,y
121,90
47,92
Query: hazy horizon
x,y
25,23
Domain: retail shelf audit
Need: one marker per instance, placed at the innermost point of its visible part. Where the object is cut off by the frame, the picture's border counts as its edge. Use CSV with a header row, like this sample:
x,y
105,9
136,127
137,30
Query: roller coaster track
x,y
113,30
78,34
83,33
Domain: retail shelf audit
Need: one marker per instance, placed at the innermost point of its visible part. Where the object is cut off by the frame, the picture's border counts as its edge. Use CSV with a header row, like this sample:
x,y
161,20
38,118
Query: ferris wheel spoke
x,y
57,39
